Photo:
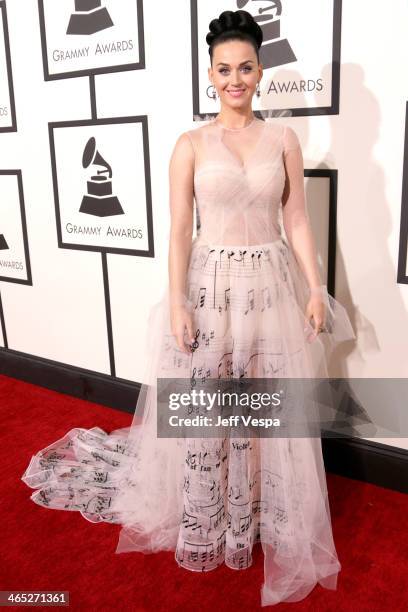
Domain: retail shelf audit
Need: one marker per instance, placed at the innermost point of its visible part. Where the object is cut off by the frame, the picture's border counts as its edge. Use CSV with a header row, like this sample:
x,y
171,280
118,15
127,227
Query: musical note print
x,y
259,506
217,517
234,493
240,559
195,344
193,381
245,523
201,297
99,476
194,459
196,556
190,521
280,515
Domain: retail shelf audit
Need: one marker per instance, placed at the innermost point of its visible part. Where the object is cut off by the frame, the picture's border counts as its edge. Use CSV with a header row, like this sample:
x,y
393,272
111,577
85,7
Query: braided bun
x,y
234,25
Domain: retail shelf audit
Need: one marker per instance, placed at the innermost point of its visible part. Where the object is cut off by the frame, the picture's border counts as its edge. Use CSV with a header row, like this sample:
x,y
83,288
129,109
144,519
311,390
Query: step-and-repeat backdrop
x,y
86,87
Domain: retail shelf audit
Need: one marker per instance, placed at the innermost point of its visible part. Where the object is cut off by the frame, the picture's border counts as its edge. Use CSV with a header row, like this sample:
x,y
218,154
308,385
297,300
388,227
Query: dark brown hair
x,y
234,25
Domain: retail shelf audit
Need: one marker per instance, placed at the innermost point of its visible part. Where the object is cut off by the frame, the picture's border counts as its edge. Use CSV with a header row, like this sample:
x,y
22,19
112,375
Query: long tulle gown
x,y
211,499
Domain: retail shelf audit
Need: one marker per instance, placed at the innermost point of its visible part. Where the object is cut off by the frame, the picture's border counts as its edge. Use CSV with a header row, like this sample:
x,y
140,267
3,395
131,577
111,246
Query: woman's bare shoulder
x,y
275,127
184,144
183,154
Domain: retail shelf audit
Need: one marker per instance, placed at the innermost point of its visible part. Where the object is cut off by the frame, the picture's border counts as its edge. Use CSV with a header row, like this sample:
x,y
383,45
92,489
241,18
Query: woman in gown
x,y
243,301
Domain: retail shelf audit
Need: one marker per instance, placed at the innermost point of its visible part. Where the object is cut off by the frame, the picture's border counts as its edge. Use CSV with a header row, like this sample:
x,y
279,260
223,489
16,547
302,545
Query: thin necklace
x,y
235,129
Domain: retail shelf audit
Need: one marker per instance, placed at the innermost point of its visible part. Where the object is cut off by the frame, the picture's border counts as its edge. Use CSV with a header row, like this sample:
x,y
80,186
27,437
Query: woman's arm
x,y
294,213
299,232
181,190
181,173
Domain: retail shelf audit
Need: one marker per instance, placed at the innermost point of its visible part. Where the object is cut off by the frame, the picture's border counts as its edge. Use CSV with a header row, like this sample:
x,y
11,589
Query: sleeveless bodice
x,y
239,177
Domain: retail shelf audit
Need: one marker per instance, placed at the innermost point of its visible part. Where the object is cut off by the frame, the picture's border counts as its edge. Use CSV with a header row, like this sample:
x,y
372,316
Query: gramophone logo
x,y
85,37
3,244
101,178
275,50
300,55
99,200
89,17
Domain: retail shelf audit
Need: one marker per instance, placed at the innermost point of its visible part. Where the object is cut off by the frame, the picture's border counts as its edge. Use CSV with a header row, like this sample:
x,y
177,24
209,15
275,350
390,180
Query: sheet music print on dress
x,y
210,500
226,477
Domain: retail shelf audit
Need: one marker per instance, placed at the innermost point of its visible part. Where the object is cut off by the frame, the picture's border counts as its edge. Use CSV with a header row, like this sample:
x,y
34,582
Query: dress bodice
x,y
239,177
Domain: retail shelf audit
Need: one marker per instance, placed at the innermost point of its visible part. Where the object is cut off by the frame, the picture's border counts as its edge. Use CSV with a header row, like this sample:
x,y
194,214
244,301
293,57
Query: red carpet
x,y
45,549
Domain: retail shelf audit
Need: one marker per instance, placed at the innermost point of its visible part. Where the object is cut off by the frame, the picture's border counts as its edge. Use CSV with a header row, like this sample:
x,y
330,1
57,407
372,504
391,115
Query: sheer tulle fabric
x,y
210,500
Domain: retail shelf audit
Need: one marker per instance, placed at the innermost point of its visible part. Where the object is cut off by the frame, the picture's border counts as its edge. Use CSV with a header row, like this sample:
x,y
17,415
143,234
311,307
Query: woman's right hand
x,y
181,322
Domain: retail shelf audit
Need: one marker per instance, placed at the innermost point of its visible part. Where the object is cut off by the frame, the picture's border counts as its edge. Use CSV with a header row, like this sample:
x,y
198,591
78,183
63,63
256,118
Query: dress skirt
x,y
211,499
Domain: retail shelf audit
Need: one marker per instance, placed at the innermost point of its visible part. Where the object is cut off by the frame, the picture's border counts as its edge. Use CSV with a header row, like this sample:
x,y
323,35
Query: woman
x,y
242,303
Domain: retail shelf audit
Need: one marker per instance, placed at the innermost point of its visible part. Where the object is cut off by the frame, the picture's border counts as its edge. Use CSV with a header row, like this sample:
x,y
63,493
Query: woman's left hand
x,y
316,311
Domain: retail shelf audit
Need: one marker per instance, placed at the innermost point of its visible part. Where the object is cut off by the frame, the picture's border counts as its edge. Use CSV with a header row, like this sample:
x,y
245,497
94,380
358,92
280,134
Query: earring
x,y
257,90
214,93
